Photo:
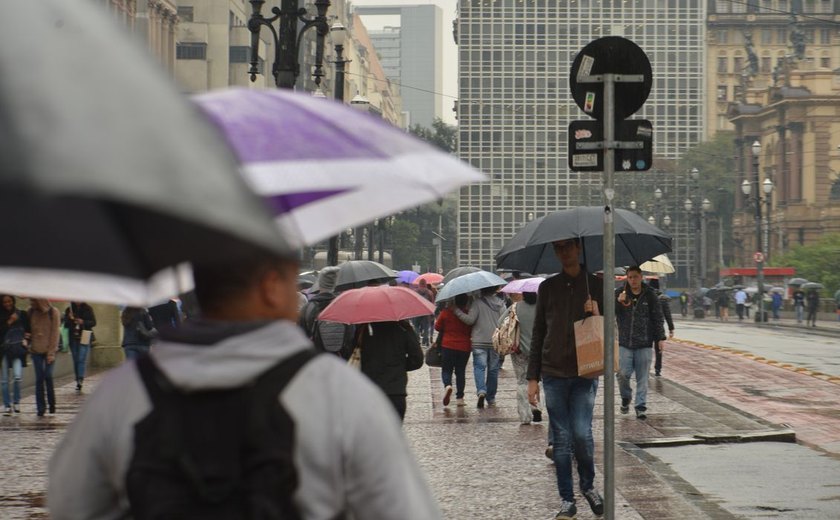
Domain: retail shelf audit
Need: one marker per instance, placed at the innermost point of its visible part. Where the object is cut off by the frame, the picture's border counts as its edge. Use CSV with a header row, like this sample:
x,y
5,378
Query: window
x,y
191,51
722,36
825,62
765,64
185,13
781,36
722,92
766,36
738,64
825,36
722,64
240,54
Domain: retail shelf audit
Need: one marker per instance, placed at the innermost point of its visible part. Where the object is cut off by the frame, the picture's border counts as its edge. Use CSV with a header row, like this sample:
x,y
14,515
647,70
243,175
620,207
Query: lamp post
x,y
286,39
767,187
338,34
759,256
697,207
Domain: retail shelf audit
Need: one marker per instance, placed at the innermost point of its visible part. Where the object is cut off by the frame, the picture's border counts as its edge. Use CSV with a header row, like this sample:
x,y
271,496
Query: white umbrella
x,y
660,264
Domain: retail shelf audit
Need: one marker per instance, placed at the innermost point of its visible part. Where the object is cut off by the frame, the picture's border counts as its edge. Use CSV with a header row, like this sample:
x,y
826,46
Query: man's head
x,y
634,278
422,284
257,286
568,252
327,278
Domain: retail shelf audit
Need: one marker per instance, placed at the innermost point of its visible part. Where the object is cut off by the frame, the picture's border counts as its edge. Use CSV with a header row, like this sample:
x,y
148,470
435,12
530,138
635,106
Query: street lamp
x,y
698,210
339,35
746,188
633,205
286,39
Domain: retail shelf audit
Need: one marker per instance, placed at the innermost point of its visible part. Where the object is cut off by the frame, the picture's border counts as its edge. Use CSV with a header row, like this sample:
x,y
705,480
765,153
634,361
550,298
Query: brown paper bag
x,y
589,340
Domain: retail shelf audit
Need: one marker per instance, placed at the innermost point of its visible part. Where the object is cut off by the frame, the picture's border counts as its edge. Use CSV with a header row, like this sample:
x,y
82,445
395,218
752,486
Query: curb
x,y
786,435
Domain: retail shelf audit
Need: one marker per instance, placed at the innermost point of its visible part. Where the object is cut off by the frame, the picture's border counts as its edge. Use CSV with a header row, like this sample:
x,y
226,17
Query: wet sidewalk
x,y
483,464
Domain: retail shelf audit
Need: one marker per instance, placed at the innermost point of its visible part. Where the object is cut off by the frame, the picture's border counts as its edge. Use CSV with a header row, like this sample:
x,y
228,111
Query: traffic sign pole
x,y
609,297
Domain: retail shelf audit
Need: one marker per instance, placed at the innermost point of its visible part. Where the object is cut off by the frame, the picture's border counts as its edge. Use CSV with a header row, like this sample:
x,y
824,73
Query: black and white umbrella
x,y
111,181
531,250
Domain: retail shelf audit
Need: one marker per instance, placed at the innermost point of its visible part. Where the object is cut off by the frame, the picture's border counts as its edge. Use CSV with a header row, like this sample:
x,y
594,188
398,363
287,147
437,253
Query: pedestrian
x,y
799,304
482,317
13,345
525,310
138,332
684,304
640,324
166,314
343,452
423,324
456,347
390,350
776,304
813,301
80,321
837,302
723,305
665,302
44,322
569,398
740,301
327,336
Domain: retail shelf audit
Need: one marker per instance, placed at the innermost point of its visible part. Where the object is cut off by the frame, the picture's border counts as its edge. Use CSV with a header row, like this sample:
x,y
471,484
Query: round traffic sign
x,y
758,257
610,55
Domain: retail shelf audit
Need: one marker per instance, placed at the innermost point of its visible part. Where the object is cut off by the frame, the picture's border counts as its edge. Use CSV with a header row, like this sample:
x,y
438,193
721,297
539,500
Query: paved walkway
x,y
484,464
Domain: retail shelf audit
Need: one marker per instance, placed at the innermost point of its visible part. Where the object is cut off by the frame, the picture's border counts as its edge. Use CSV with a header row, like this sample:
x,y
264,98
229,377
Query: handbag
x,y
434,356
589,347
64,339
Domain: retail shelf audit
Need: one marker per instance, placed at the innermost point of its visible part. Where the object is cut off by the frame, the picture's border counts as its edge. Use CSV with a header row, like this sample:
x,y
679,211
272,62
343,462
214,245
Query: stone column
x,y
107,351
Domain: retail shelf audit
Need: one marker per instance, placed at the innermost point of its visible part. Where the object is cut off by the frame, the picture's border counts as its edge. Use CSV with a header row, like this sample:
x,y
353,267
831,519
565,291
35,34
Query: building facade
x,y
411,56
515,106
157,24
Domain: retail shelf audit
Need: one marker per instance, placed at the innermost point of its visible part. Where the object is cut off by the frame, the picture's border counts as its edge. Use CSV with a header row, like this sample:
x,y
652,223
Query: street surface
x,y
697,456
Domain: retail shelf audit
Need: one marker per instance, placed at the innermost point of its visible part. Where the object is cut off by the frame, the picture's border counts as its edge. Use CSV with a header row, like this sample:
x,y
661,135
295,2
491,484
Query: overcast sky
x,y
450,50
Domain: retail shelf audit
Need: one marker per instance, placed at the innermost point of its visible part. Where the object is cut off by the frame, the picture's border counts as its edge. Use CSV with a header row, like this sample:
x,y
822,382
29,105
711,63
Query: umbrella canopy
x,y
459,271
812,285
323,166
636,241
305,281
797,281
469,283
375,304
430,278
523,285
116,180
660,264
406,276
358,273
780,290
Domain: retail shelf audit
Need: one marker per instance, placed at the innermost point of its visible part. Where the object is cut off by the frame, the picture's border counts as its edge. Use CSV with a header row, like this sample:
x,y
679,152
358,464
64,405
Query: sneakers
x,y
460,402
481,397
641,414
16,408
536,415
491,404
625,405
596,503
8,411
447,395
549,452
568,510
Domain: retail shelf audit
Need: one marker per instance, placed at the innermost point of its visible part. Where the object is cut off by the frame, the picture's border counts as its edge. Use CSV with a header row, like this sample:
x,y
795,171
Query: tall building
x,y
515,106
411,56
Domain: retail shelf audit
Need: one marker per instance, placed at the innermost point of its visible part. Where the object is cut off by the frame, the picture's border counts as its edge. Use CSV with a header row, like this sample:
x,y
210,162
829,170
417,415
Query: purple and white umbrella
x,y
523,285
324,167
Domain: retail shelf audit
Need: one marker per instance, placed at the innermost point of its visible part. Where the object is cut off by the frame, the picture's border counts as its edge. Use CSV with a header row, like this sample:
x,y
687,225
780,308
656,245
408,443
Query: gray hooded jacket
x,y
483,315
351,455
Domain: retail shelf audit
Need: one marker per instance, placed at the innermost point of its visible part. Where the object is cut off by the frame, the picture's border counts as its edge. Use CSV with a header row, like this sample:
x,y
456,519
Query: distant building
x,y
411,57
157,23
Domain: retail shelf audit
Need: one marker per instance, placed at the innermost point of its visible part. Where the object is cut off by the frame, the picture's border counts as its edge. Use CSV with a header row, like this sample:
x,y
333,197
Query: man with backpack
x,y
233,415
335,338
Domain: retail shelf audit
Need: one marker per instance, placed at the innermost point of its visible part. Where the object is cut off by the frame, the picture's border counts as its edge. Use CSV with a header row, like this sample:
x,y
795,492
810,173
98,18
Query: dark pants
x,y
399,404
43,377
812,316
739,310
454,361
657,364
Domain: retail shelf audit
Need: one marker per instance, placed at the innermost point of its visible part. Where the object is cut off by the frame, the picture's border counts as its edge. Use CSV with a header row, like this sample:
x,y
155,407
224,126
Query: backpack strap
x,y
157,384
273,381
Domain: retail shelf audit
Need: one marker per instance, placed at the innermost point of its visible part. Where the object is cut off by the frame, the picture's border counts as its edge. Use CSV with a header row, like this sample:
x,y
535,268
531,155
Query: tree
x,y
816,262
441,135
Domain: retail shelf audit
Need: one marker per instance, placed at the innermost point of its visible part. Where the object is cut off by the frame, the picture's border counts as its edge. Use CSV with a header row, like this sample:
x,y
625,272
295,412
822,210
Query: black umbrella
x,y
636,241
112,177
358,273
459,271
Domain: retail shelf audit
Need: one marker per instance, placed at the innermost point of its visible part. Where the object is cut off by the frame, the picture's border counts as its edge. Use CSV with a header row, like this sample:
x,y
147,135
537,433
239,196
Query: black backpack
x,y
217,453
332,337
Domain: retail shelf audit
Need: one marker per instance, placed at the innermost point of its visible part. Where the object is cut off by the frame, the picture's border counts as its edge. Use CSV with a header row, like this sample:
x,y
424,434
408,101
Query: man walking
x,y
799,304
569,399
740,301
640,324
342,450
483,315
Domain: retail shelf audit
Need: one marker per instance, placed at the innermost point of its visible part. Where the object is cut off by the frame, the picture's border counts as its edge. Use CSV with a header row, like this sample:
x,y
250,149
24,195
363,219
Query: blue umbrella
x,y
406,276
469,283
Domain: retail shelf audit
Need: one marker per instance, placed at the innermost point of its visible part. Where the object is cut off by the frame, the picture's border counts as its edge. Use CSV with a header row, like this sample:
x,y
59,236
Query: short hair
x,y
529,297
461,300
634,268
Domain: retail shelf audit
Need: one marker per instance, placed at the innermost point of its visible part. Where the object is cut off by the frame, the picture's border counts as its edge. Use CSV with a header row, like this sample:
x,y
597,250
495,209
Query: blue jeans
x,y
634,361
16,367
800,313
43,377
454,361
486,371
570,401
80,354
135,351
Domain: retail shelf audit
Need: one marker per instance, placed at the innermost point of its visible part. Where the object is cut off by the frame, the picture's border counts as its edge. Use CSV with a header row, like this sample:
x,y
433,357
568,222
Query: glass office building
x,y
515,106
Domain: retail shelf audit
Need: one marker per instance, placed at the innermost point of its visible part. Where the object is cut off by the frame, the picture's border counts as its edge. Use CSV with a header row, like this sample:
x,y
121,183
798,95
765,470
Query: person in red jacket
x,y
455,349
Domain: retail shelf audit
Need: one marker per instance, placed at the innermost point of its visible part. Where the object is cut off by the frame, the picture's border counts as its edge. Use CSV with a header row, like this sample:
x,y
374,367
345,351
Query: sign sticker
x,y
585,160
585,66
589,104
583,134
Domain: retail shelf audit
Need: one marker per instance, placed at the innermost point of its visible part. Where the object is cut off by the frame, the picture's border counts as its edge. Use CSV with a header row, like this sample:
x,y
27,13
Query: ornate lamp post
x,y
286,39
746,188
339,36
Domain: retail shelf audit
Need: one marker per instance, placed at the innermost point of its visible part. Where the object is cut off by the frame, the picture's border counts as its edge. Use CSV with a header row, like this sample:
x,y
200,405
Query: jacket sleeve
x,y
666,311
440,320
657,320
414,354
468,317
538,336
89,319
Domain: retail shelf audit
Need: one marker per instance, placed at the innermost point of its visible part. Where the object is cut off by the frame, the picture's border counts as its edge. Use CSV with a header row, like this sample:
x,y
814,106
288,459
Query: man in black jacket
x,y
640,324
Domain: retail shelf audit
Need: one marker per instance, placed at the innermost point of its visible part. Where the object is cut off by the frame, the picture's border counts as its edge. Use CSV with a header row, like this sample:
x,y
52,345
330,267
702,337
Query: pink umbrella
x,y
431,279
375,304
523,285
